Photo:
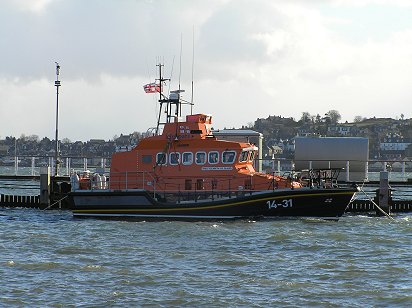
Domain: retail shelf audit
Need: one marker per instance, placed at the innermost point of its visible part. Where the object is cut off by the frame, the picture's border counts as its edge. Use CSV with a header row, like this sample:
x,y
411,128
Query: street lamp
x,y
56,154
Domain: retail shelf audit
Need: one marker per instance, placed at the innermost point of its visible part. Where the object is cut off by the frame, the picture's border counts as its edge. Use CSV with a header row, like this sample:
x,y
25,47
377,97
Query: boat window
x,y
188,184
174,158
243,156
252,155
200,158
147,159
213,157
199,184
187,158
228,157
161,159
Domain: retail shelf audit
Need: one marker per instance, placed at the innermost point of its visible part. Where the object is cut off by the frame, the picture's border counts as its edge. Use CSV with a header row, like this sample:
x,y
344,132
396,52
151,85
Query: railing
x,y
175,189
353,170
30,165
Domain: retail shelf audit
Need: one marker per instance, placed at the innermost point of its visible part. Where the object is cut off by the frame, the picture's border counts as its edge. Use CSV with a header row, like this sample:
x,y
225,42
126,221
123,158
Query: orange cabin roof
x,y
188,150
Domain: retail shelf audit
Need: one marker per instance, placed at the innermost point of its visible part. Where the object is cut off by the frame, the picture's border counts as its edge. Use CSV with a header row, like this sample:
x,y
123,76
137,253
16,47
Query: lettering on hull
x,y
274,204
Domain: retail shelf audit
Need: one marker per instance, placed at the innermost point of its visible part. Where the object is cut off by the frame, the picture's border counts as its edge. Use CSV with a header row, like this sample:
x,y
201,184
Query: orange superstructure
x,y
187,157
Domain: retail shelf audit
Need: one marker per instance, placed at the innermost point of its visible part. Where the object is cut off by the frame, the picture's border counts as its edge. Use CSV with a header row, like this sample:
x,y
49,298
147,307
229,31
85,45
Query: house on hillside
x,y
339,130
394,147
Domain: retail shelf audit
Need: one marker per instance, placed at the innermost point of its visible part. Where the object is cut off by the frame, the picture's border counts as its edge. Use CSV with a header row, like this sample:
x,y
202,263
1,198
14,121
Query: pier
x,y
47,191
52,192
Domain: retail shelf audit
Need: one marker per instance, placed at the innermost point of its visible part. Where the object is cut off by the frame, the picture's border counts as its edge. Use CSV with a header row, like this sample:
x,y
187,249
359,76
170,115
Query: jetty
x,y
52,193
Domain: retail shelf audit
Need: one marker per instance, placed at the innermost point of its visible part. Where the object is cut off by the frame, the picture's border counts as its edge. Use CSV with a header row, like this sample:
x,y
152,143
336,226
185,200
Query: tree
x,y
66,141
305,117
33,138
358,119
334,116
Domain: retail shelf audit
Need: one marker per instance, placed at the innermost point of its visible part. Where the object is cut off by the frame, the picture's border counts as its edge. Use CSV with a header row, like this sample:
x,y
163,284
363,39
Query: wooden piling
x,y
45,186
383,193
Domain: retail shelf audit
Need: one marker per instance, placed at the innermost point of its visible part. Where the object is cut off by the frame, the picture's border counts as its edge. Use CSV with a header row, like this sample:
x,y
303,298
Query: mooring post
x,y
44,187
383,193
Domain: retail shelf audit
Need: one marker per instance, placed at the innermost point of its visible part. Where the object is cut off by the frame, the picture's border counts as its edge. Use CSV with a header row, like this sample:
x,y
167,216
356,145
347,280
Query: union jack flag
x,y
151,87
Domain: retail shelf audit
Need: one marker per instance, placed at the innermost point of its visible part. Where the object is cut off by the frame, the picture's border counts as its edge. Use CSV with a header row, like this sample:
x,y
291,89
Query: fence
x,y
30,165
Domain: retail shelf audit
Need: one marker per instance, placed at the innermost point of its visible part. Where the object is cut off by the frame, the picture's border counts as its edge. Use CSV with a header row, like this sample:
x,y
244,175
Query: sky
x,y
249,59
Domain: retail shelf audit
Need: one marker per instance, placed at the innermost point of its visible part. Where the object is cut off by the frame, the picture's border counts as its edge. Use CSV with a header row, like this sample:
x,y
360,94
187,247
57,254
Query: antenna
x,y
180,73
193,65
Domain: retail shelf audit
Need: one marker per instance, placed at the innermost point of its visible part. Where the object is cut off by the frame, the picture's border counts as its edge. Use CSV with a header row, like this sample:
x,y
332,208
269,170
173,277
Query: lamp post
x,y
56,154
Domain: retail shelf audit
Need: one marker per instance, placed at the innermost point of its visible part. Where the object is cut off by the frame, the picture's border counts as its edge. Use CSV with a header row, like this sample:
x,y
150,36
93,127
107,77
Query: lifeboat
x,y
184,172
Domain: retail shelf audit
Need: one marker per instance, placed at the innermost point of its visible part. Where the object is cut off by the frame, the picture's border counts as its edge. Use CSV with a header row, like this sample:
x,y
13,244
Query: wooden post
x,y
44,186
383,193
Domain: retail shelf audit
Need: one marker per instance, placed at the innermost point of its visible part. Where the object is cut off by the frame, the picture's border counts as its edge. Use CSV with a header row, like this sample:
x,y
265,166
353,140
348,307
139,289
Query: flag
x,y
151,87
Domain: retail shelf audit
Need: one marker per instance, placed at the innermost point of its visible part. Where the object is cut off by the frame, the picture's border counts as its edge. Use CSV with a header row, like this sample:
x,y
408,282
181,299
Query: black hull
x,y
140,205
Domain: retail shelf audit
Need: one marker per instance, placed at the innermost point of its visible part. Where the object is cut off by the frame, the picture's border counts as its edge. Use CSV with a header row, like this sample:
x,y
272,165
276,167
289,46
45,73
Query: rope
x,y
55,203
374,203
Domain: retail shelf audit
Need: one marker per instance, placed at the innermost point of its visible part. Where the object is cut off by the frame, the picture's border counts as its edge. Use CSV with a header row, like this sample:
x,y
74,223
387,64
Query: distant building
x,y
341,130
4,149
394,147
394,144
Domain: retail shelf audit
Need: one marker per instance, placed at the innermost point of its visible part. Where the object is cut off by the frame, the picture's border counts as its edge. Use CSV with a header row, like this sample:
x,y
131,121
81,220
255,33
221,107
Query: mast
x,y
173,99
162,99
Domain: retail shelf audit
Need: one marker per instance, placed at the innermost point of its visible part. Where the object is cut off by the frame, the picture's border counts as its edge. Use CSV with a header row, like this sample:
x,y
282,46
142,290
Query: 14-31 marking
x,y
284,203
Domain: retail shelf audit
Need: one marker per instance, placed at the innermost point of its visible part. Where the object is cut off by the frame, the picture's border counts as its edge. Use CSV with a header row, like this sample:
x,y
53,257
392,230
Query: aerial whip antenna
x,y
193,65
180,74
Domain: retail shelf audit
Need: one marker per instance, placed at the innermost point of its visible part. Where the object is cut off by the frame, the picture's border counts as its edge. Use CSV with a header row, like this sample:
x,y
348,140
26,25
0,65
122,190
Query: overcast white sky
x,y
252,59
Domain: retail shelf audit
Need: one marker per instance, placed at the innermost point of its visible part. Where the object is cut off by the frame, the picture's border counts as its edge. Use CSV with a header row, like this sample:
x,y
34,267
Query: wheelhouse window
x,y
213,157
187,158
243,156
161,159
174,158
252,155
228,157
200,158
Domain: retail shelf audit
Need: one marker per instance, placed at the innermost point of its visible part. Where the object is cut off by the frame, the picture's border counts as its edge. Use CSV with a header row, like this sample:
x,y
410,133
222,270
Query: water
x,y
47,258
50,259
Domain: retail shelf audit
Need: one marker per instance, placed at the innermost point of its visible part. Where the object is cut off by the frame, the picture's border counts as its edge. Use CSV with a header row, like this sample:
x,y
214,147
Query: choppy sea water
x,y
50,259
